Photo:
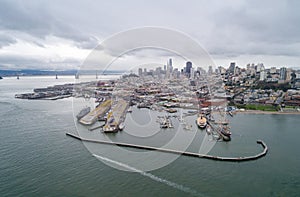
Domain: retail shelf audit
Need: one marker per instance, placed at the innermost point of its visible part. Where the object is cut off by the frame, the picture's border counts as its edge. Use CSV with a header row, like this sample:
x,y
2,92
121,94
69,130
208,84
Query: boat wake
x,y
151,176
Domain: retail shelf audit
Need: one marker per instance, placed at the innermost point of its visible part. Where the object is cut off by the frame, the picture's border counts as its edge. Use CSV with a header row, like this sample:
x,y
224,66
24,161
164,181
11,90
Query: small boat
x,y
225,122
171,110
170,124
226,132
110,129
143,105
211,118
164,126
165,123
121,126
201,121
208,130
99,100
129,110
83,112
226,138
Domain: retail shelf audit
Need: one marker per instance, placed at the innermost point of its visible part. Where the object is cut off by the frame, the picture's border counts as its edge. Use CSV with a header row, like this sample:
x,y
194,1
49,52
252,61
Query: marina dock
x,y
230,159
116,116
92,117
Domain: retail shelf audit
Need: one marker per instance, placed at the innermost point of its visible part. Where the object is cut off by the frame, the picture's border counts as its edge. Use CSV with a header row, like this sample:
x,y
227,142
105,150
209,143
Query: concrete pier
x,y
92,117
116,116
231,159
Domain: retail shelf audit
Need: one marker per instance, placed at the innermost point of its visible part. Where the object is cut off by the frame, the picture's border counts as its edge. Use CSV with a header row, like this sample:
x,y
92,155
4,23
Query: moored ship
x,y
83,112
201,121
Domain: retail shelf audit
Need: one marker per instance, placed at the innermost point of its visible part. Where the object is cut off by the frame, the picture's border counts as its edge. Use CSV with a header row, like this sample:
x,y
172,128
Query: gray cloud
x,y
6,40
257,27
15,62
36,19
225,28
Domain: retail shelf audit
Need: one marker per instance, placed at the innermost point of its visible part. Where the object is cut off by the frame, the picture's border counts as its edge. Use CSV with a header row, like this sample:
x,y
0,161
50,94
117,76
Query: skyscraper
x,y
231,68
210,70
170,62
188,68
140,71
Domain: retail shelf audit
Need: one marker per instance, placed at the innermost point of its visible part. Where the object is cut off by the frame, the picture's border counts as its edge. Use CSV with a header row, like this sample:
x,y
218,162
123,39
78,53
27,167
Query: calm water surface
x,y
38,159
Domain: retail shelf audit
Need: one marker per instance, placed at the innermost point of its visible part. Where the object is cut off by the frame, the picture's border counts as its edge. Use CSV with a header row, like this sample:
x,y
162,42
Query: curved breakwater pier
x,y
231,159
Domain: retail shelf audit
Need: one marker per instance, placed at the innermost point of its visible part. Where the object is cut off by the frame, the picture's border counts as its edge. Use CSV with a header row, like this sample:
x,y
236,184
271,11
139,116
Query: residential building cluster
x,y
253,84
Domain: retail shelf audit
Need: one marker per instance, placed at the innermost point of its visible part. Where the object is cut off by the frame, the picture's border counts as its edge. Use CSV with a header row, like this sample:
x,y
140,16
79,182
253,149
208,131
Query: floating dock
x,y
231,159
92,117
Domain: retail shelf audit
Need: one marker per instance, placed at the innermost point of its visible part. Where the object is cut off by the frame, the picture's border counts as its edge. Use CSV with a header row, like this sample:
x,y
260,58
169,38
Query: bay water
x,y
38,159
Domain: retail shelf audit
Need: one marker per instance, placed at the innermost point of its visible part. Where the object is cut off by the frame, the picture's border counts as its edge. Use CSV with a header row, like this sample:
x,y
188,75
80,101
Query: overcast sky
x,y
60,34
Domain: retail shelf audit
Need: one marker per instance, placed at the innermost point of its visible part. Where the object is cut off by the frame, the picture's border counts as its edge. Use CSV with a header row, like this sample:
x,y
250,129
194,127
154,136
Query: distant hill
x,y
29,72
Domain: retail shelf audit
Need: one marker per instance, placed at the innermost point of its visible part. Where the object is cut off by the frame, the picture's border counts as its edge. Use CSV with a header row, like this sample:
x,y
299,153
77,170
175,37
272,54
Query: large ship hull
x,y
201,122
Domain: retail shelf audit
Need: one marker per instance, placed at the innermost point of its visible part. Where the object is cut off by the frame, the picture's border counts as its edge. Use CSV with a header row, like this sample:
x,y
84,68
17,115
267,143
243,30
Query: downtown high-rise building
x,y
188,68
231,68
169,68
140,71
210,70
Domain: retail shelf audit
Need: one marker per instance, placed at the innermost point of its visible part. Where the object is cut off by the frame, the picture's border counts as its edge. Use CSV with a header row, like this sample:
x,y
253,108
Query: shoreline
x,y
267,112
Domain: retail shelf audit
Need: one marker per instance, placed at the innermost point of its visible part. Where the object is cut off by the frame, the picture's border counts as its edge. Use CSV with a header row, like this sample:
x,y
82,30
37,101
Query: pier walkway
x,y
231,159
116,116
92,117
